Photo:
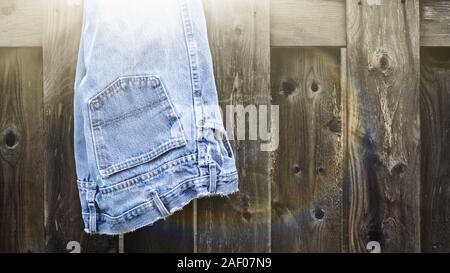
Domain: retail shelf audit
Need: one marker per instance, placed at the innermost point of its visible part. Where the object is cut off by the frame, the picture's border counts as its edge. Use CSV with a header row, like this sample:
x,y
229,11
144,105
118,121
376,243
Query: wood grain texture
x,y
21,165
307,23
383,172
60,47
293,22
21,23
435,124
435,22
322,22
173,235
307,189
239,38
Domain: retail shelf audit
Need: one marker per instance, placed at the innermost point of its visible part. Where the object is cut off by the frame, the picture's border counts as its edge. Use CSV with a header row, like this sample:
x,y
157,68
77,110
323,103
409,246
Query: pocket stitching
x,y
121,117
145,157
114,86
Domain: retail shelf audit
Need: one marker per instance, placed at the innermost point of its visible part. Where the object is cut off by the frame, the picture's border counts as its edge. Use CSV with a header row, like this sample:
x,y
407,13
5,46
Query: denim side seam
x,y
192,48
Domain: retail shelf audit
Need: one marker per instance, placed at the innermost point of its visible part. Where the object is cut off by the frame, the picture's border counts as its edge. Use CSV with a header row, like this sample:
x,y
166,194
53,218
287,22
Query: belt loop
x,y
212,178
90,198
159,204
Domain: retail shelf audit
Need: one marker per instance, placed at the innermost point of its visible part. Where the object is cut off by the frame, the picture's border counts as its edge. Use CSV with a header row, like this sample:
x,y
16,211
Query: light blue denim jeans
x,y
149,136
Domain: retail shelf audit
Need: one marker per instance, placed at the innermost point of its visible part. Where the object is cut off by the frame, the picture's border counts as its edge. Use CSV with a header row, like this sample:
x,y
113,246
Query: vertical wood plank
x,y
345,112
383,172
307,191
240,43
173,235
60,48
21,165
435,124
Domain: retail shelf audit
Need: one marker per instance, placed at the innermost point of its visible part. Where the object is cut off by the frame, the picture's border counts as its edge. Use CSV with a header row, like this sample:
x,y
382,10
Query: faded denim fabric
x,y
149,136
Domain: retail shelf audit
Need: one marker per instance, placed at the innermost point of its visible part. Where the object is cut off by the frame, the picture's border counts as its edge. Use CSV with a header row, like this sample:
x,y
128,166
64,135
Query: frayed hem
x,y
151,214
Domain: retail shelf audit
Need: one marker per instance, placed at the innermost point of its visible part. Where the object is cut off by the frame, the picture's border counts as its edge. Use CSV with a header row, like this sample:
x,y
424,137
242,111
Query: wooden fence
x,y
364,154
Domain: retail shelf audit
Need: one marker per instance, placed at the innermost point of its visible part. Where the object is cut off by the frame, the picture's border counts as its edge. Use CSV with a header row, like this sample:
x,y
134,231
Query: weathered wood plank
x,y
345,133
322,22
21,165
307,191
307,23
60,48
173,235
383,172
240,44
435,22
293,22
21,23
435,139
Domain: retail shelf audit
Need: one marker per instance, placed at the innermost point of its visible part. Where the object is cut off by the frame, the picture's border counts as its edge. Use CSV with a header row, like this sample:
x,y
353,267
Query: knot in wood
x,y
10,144
9,138
381,62
335,125
398,170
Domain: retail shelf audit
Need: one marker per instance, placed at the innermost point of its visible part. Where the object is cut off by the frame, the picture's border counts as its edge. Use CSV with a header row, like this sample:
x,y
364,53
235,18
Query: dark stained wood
x,y
435,124
383,172
173,235
60,47
307,189
435,22
240,44
21,165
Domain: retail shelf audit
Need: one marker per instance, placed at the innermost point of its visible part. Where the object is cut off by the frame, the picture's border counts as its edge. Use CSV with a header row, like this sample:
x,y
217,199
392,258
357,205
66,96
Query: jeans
x,y
148,135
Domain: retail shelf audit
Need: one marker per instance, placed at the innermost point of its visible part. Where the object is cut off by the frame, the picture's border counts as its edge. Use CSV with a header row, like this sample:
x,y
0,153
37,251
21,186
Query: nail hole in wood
x,y
321,171
319,213
314,87
296,168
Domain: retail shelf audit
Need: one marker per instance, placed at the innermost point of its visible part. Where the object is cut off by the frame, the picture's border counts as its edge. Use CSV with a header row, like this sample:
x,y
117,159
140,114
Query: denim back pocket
x,y
133,121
